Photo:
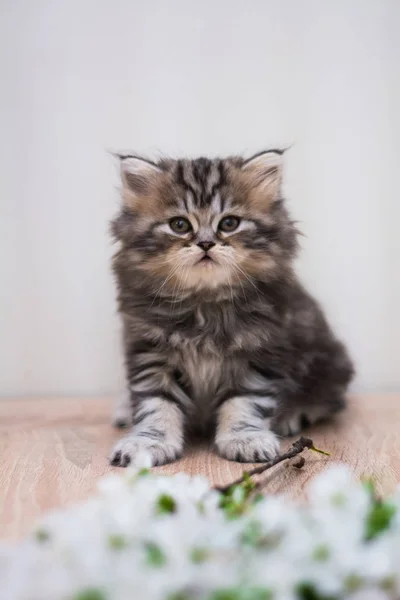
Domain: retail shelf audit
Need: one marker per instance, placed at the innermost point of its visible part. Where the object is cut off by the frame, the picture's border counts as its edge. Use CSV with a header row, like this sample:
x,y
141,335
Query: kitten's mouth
x,y
205,260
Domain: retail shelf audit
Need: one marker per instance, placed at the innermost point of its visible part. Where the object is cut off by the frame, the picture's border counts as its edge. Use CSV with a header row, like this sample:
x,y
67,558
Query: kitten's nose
x,y
206,245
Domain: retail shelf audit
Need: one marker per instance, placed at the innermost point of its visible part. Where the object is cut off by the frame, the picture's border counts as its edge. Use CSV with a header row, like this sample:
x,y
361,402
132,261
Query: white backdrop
x,y
80,77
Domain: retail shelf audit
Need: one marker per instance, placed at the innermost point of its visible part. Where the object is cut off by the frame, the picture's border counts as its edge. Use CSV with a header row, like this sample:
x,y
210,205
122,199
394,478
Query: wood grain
x,y
53,451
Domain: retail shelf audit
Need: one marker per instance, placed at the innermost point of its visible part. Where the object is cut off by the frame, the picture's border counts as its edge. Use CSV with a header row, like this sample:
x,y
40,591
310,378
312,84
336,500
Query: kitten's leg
x,y
159,406
123,411
243,429
157,432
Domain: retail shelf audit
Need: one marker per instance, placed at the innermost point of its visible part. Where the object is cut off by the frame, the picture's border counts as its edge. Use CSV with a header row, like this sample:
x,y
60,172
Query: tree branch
x,y
301,444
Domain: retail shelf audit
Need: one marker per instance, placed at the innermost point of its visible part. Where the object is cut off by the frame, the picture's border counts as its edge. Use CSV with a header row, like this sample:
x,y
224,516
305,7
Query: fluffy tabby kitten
x,y
218,332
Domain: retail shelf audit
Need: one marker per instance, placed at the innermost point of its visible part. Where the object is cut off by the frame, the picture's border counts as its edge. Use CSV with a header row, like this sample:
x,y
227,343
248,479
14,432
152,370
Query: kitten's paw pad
x,y
249,448
137,451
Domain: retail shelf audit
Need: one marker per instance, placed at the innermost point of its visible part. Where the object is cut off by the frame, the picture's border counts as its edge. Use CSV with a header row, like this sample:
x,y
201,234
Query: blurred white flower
x,y
153,537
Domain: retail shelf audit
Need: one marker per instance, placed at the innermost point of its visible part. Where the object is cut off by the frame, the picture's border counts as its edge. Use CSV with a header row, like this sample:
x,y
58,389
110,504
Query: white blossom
x,y
148,536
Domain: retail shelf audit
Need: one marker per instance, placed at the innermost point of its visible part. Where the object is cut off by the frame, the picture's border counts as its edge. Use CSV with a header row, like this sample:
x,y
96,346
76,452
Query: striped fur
x,y
219,335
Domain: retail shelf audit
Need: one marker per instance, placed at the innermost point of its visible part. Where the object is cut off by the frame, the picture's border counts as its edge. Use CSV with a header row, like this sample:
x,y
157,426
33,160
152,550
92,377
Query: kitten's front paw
x,y
250,447
133,449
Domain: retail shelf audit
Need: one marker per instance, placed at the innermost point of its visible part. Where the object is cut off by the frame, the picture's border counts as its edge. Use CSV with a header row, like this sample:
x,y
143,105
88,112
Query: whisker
x,y
177,287
234,264
174,270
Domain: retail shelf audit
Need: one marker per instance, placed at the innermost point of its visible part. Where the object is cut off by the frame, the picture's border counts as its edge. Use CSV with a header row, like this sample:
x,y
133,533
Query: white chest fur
x,y
204,371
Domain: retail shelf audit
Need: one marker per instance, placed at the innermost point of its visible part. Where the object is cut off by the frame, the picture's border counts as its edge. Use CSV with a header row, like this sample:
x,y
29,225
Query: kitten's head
x,y
205,224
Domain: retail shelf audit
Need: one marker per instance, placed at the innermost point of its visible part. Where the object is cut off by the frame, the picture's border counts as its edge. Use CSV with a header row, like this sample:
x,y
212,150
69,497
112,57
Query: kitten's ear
x,y
264,171
138,174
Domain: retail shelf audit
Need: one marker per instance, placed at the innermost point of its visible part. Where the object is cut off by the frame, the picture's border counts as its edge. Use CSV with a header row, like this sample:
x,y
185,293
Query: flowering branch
x,y
298,447
142,531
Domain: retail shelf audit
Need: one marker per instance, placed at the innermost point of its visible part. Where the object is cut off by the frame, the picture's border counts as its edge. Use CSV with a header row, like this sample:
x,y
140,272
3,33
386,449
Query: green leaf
x,y
388,583
228,594
132,480
379,518
248,483
258,594
143,472
308,591
42,535
91,594
234,500
252,534
199,555
338,499
321,553
165,504
258,498
353,583
369,485
154,555
117,542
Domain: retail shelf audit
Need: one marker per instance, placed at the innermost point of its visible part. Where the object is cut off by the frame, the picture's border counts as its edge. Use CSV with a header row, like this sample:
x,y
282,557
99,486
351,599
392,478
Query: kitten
x,y
218,332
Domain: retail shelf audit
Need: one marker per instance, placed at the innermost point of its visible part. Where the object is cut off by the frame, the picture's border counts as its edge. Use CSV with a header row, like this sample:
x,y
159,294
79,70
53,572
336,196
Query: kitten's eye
x,y
229,224
180,225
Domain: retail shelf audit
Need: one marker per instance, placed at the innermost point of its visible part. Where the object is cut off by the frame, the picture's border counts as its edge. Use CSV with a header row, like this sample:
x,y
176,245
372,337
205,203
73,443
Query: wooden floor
x,y
52,452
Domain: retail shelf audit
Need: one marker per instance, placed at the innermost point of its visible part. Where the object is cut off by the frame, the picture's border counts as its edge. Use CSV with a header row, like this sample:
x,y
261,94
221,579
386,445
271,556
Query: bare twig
x,y
301,444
